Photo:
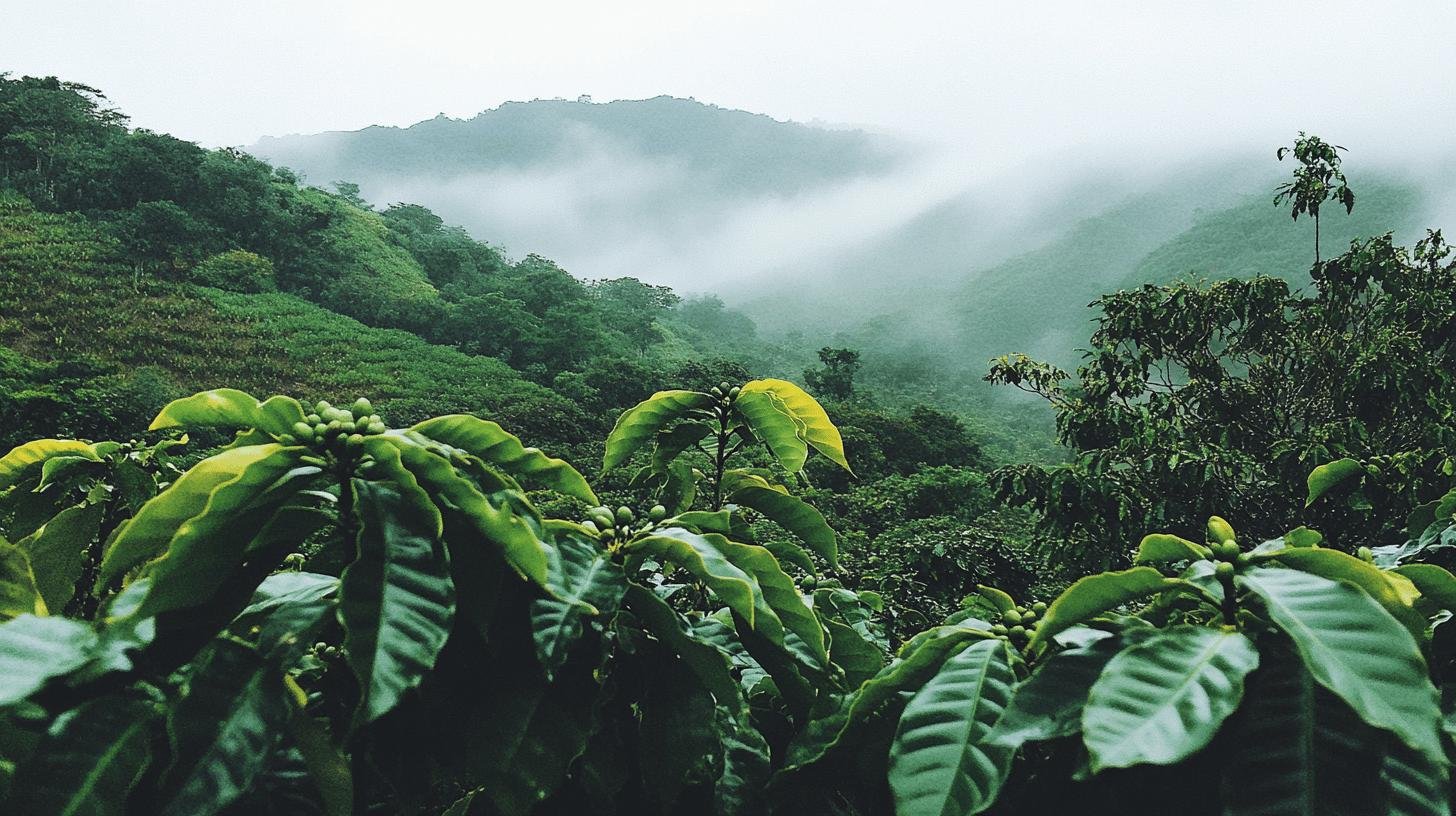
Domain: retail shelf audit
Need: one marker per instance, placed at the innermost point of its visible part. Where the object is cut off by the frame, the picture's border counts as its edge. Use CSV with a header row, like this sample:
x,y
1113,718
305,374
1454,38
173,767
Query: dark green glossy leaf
x,y
234,712
88,763
1049,704
586,584
1296,750
941,763
1163,699
34,650
710,665
396,599
1356,650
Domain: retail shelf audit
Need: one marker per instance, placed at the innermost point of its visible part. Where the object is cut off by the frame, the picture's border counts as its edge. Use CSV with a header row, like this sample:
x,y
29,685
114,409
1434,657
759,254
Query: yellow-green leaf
x,y
490,442
819,431
641,422
15,465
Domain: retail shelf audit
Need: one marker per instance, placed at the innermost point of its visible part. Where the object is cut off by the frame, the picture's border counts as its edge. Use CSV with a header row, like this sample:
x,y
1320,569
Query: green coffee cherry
x,y
313,419
808,582
1029,616
1224,571
733,392
1038,607
715,391
303,430
724,387
1018,632
602,516
1011,617
361,408
321,407
624,515
354,442
999,629
1220,530
1365,554
319,429
657,513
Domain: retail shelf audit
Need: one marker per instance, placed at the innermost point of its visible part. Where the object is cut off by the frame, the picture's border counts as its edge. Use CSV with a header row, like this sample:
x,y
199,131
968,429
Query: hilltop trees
x,y
1317,179
1194,397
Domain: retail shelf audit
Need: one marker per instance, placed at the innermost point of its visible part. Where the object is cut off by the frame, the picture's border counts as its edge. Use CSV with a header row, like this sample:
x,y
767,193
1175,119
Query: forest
x,y
312,506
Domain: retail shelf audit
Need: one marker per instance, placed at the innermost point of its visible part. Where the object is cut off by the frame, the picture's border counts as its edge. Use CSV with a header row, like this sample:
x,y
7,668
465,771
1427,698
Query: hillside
x,y
72,310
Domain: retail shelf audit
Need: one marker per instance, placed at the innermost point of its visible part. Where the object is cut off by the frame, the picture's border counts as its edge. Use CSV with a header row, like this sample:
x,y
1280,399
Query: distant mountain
x,y
844,236
649,188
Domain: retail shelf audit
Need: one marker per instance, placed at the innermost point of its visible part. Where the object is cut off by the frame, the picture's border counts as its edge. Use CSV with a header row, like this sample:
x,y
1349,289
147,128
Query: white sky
x,y
1002,79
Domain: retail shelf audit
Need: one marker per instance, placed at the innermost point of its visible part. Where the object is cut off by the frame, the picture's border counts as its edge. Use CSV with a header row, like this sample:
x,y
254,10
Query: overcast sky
x,y
1004,78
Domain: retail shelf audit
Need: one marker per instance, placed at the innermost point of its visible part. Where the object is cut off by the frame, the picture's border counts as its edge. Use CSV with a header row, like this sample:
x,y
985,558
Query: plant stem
x,y
720,459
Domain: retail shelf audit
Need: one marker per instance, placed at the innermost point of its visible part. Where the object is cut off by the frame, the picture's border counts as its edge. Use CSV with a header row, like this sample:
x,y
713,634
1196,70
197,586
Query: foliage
x,y
1317,179
1196,397
333,614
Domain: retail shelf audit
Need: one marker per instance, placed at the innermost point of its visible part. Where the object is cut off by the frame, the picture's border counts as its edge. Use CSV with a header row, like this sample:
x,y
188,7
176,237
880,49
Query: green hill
x,y
82,335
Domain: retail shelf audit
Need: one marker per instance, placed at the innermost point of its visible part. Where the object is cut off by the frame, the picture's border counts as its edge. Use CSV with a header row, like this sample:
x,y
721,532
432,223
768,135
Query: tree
x,y
1197,396
1317,179
835,377
634,308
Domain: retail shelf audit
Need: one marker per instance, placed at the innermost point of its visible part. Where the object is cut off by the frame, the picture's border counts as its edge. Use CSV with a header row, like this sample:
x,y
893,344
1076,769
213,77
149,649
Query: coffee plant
x,y
330,615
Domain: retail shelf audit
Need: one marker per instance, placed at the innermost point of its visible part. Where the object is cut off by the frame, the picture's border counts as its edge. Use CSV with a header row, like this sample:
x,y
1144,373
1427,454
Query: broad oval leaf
x,y
17,464
918,660
234,709
704,558
1392,590
1296,749
793,514
1162,548
396,600
940,763
1435,584
1096,594
586,584
58,552
1049,704
641,422
198,530
19,594
490,442
505,524
34,650
231,409
774,425
819,431
1326,477
89,761
709,663
1354,648
1164,698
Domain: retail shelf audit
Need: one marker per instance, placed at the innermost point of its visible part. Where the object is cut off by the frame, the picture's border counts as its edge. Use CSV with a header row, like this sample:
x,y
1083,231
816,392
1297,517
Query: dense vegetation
x,y
854,606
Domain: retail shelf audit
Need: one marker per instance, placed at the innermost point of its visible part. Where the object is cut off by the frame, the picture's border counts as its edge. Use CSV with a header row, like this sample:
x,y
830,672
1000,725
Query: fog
x,y
1005,108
